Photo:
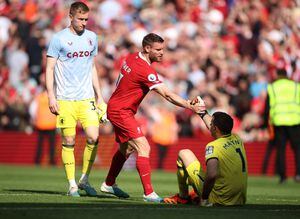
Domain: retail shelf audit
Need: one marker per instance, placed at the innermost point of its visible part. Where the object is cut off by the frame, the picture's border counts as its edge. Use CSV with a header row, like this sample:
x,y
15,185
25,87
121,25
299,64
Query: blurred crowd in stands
x,y
224,50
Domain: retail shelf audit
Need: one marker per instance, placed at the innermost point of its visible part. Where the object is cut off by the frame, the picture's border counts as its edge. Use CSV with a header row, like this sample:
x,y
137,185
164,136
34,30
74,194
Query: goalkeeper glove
x,y
101,109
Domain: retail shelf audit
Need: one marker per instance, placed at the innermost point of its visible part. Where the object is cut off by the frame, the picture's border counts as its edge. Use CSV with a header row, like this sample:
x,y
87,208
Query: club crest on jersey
x,y
152,77
209,150
61,120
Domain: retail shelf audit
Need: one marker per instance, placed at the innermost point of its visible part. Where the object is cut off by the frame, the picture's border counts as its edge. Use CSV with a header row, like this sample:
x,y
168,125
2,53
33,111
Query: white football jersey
x,y
73,69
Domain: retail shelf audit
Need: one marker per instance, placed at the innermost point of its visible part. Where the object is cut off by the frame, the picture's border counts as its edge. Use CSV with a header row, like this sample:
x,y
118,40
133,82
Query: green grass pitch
x,y
39,192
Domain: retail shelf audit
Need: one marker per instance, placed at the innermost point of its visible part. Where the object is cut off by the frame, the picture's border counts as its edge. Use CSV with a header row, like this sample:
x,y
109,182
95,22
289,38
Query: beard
x,y
155,59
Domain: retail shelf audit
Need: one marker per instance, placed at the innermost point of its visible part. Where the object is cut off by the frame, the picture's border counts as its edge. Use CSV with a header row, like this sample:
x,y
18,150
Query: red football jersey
x,y
136,79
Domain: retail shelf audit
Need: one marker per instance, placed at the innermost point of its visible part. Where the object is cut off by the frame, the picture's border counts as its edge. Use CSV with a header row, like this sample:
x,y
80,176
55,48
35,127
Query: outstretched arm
x,y
175,99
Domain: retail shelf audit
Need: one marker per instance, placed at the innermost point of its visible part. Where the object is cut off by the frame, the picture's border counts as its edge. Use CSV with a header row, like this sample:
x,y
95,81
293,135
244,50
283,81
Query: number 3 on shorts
x,y
93,105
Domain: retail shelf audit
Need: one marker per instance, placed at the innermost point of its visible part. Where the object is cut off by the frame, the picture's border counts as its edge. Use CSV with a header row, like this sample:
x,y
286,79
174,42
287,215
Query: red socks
x,y
142,165
144,169
115,168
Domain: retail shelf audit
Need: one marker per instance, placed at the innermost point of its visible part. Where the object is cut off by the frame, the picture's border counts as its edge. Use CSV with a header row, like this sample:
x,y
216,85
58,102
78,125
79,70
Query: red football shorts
x,y
125,128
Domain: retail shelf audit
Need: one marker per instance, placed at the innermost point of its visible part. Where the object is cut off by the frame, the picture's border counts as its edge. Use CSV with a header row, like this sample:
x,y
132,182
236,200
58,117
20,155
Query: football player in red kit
x,y
136,79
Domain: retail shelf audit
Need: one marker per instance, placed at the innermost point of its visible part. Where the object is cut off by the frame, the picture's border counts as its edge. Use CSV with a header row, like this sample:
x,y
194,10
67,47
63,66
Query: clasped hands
x,y
198,105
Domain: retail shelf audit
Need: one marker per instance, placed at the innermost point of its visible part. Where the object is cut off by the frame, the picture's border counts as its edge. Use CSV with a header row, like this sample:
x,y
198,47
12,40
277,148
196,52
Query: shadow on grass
x,y
32,191
129,203
137,210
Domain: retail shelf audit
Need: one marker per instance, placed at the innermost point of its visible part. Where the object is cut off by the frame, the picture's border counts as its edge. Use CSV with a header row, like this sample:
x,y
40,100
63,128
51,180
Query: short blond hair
x,y
79,7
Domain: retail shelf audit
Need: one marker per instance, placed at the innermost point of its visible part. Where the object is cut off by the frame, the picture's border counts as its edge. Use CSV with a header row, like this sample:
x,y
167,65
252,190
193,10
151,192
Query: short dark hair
x,y
79,7
223,121
281,72
151,38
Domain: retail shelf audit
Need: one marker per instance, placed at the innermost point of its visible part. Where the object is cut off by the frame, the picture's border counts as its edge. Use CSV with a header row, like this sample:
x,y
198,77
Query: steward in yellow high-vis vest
x,y
284,99
283,104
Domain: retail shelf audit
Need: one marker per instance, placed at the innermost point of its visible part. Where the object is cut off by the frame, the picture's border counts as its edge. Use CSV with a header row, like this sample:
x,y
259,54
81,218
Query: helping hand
x,y
198,105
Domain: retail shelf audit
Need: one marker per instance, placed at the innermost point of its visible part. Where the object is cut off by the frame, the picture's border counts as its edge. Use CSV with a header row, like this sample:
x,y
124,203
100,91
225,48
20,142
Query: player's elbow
x,y
163,91
211,176
168,95
168,98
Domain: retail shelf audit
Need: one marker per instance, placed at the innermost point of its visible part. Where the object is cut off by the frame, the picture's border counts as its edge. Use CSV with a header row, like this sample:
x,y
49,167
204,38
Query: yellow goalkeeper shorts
x,y
83,111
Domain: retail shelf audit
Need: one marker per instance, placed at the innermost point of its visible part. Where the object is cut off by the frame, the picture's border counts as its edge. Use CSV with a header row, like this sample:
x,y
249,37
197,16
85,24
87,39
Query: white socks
x,y
72,183
83,179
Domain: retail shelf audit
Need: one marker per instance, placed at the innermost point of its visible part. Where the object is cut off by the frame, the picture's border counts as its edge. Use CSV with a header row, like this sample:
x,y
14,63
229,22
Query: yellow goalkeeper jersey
x,y
231,184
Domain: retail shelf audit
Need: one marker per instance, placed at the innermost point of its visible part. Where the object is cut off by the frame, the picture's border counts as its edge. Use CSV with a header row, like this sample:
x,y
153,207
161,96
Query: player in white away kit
x,y
74,93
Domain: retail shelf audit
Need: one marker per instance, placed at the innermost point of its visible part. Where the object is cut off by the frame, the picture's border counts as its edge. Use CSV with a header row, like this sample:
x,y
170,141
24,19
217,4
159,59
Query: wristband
x,y
203,114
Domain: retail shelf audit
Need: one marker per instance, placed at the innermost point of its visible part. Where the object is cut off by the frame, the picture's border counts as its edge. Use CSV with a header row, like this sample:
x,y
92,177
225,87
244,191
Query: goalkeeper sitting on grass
x,y
225,180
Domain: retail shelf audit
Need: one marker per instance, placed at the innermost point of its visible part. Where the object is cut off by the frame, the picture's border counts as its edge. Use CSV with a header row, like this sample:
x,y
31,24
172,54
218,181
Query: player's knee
x,y
92,138
68,140
143,151
146,148
184,152
92,141
141,146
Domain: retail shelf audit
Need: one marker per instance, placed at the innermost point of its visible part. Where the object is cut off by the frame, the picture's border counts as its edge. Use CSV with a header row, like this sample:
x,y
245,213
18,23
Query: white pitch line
x,y
282,200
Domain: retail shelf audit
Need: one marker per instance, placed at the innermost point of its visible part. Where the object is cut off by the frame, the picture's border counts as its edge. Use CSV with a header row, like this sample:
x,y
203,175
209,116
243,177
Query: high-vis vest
x,y
284,97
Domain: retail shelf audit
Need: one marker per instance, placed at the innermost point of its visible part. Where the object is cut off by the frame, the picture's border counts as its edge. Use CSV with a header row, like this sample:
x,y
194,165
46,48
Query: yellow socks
x,y
89,155
69,161
182,180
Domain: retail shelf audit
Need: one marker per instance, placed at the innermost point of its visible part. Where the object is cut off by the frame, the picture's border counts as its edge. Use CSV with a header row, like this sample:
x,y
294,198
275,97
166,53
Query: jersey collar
x,y
143,57
225,136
